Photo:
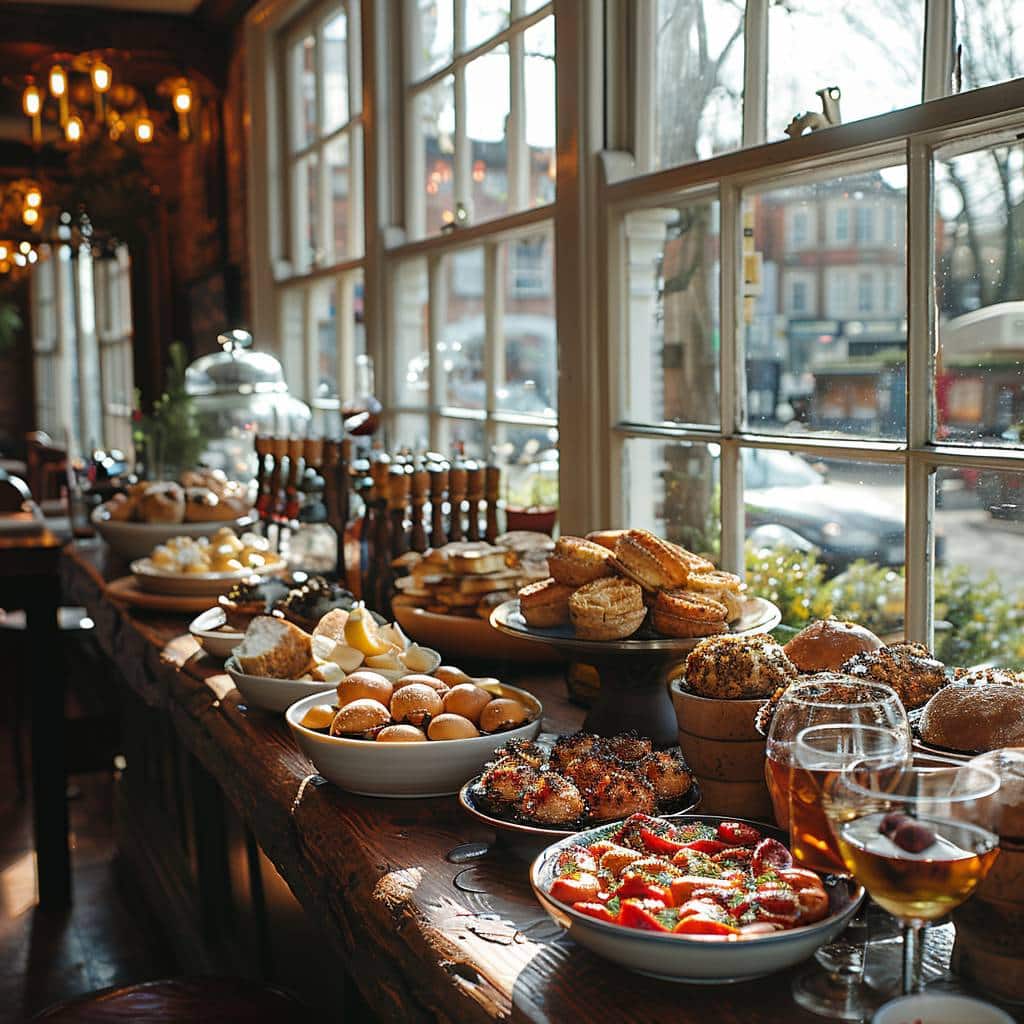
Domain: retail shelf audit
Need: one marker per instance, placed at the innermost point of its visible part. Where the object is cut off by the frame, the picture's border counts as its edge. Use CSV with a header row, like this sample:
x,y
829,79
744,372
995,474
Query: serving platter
x,y
695,960
634,690
126,591
197,584
133,540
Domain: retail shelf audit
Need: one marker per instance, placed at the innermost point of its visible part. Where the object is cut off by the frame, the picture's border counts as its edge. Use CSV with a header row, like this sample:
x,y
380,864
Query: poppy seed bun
x,y
826,644
974,718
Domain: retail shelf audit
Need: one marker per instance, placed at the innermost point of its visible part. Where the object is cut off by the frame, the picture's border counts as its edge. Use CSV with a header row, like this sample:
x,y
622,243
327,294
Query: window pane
x,y
412,348
871,50
485,18
487,109
302,87
980,288
306,210
835,533
823,303
335,36
436,117
539,80
672,489
527,352
698,53
465,437
409,430
991,33
460,347
325,344
344,175
528,456
436,29
979,594
672,268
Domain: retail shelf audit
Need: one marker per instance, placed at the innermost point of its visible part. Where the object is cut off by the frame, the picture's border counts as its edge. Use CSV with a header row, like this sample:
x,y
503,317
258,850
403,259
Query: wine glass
x,y
919,839
827,698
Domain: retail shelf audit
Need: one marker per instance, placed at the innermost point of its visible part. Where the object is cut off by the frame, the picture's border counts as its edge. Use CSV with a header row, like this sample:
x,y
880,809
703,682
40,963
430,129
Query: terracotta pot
x,y
535,519
725,751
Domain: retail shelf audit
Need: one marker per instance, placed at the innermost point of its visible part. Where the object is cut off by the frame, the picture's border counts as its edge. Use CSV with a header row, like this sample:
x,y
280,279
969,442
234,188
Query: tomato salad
x,y
692,879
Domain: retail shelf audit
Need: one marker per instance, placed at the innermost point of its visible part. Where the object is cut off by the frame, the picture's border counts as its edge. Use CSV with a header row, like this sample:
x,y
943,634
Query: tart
x,y
607,609
685,613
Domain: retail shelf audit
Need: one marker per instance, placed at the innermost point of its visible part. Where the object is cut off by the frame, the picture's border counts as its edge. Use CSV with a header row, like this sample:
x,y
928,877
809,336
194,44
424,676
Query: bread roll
x,y
733,667
161,503
274,648
974,718
826,644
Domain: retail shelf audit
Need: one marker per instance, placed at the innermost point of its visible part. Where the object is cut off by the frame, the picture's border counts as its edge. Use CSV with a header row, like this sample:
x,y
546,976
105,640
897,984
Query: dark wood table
x,y
422,937
30,581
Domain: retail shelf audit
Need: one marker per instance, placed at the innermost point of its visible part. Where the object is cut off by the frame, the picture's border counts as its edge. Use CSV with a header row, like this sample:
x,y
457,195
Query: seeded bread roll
x,y
733,667
908,668
974,717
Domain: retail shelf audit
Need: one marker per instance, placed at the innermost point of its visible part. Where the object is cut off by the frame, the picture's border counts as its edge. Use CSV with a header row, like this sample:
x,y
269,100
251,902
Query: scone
x,y
576,561
607,609
908,668
733,667
545,604
275,649
686,613
652,562
203,506
722,586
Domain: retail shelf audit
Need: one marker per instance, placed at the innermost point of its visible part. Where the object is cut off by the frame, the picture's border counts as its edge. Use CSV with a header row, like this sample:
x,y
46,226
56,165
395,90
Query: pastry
x,y
120,508
989,676
576,561
908,668
606,538
734,667
722,586
607,609
274,649
826,644
974,717
685,613
361,718
545,604
307,604
652,562
203,506
161,503
474,558
451,727
243,602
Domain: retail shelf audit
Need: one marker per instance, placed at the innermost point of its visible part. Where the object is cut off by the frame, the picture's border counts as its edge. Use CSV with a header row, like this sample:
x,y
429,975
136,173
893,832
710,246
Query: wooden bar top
x,y
424,938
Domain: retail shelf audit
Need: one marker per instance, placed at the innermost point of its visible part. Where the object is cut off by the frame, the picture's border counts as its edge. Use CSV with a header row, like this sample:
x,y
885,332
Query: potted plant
x,y
532,502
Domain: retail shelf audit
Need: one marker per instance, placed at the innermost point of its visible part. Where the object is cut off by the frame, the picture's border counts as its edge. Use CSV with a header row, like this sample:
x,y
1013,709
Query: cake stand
x,y
634,672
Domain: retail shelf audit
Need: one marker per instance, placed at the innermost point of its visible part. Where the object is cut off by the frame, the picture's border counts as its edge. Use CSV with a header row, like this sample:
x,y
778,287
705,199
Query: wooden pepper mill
x,y
329,459
474,495
419,484
379,585
492,488
399,489
364,489
278,452
292,502
438,473
457,483
263,447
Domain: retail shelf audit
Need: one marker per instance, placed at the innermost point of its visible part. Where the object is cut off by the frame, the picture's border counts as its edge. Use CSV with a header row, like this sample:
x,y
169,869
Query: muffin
x,y
738,667
908,668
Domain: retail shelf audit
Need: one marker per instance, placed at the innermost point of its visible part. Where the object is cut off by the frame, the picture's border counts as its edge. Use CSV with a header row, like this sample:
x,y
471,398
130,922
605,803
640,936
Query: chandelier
x,y
81,96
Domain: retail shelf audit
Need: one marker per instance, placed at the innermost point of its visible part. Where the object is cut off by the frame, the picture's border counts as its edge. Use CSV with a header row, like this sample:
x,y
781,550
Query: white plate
x,y
940,1008
196,584
137,540
433,768
695,960
274,694
219,643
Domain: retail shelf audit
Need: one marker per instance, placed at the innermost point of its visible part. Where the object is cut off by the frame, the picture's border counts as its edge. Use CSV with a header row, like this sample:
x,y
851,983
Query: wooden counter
x,y
422,938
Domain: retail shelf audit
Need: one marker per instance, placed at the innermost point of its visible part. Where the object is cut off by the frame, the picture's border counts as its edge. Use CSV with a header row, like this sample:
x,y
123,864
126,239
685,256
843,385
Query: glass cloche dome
x,y
238,394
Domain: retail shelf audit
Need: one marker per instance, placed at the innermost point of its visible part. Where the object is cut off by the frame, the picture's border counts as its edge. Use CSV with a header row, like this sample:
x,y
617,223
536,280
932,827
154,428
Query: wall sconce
x,y
73,129
5,251
181,98
32,104
59,90
102,78
33,197
30,216
144,130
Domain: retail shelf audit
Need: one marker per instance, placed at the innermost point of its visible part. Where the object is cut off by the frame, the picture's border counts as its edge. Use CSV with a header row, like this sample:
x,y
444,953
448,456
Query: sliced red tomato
x,y
734,856
575,859
685,887
770,854
598,910
643,914
660,843
701,908
708,846
810,892
639,887
697,925
737,833
574,888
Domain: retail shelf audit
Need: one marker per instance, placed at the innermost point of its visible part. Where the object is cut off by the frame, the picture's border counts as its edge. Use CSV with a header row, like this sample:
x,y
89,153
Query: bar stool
x,y
173,1000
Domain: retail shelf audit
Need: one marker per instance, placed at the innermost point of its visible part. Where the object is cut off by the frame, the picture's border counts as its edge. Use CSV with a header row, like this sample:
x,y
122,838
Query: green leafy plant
x,y
869,594
977,621
169,436
788,578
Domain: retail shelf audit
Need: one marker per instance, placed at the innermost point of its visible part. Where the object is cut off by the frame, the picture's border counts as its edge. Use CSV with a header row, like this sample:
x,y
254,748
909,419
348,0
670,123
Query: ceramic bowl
x,y
217,642
434,768
692,959
137,540
272,694
939,1008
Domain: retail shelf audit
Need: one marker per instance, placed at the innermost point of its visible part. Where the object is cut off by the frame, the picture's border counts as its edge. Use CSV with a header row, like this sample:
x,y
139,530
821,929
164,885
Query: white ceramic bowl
x,y
217,642
434,768
194,584
939,1008
272,694
137,540
693,959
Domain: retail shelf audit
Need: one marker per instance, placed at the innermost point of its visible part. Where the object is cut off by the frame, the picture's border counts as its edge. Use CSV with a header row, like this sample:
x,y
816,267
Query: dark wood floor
x,y
107,938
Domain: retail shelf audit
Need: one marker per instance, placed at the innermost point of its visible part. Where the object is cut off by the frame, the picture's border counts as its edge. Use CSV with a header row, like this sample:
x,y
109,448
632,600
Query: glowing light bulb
x,y
20,260
32,101
34,198
33,256
30,215
73,129
58,81
25,248
143,130
182,99
102,76
4,252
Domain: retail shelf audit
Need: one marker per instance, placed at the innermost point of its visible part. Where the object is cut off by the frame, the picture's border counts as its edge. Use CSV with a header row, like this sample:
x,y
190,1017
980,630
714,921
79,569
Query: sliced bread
x,y
274,648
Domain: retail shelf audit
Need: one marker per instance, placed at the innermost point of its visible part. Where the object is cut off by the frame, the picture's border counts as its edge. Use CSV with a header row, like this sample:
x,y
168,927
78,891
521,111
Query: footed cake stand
x,y
634,692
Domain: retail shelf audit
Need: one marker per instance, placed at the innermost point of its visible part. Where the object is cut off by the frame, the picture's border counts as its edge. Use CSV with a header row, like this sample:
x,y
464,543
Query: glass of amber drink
x,y
919,839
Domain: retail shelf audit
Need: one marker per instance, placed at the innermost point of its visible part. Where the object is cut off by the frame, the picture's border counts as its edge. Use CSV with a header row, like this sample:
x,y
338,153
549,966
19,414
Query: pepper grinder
x,y
379,587
399,489
438,472
419,482
263,446
279,452
296,450
364,489
457,482
492,488
474,495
